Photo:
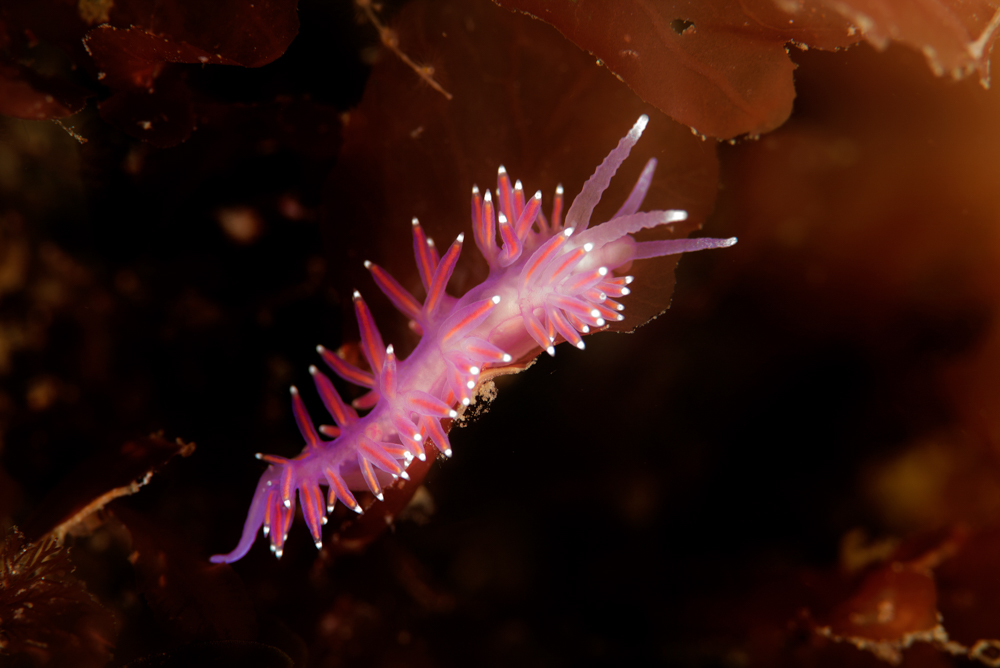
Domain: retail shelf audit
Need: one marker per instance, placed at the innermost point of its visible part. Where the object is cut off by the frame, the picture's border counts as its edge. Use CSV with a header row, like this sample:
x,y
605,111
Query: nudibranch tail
x,y
550,280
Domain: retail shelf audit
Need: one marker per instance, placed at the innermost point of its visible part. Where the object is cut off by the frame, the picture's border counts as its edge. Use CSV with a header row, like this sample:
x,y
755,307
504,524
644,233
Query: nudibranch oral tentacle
x,y
551,280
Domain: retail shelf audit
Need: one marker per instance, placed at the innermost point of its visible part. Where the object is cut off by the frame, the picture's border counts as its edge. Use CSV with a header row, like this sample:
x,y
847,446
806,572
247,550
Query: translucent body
x,y
549,281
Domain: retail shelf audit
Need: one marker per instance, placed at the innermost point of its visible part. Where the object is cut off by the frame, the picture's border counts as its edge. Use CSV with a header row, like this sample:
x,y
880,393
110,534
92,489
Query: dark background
x,y
679,495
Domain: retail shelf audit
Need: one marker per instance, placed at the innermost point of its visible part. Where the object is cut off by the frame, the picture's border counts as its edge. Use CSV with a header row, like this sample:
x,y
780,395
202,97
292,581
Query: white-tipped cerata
x,y
495,299
453,414
368,264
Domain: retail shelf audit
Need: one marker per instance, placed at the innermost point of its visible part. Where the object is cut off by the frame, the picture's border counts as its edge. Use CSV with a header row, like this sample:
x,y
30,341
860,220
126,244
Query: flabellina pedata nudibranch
x,y
550,280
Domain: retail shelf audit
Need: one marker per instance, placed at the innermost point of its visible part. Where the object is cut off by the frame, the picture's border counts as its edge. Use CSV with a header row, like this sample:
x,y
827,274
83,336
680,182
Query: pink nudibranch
x,y
550,280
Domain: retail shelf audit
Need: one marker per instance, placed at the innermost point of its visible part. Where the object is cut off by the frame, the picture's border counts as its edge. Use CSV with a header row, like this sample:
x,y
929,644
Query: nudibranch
x,y
551,279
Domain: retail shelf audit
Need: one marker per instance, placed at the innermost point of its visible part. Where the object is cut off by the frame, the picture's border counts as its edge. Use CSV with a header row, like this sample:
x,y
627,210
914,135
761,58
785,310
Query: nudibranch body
x,y
551,279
